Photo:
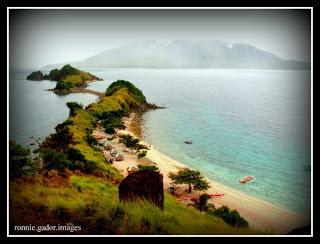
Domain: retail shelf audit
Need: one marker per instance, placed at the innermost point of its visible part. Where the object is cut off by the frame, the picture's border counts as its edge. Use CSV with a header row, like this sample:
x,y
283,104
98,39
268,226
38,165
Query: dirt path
x,y
85,90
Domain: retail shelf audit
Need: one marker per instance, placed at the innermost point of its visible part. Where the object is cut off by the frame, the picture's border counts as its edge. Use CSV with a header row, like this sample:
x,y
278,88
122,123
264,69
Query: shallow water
x,y
241,122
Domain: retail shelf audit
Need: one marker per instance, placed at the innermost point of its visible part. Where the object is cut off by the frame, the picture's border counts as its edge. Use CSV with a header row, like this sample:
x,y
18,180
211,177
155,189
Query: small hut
x,y
107,145
119,157
132,169
114,152
98,135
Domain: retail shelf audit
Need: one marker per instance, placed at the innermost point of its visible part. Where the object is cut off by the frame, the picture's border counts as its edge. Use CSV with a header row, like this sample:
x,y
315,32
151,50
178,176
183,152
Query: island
x,y
67,78
80,178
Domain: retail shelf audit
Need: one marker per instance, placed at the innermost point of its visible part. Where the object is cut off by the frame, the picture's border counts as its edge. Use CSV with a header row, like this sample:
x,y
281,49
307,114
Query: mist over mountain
x,y
187,54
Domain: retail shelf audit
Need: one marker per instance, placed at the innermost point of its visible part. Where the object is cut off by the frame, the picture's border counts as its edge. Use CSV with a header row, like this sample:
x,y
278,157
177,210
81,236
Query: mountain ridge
x,y
187,54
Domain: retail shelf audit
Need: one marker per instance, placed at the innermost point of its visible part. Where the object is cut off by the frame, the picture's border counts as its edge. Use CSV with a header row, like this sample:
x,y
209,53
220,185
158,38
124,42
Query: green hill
x,y
67,77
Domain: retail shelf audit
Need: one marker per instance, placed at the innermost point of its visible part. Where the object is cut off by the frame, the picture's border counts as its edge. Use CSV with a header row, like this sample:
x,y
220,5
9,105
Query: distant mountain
x,y
188,54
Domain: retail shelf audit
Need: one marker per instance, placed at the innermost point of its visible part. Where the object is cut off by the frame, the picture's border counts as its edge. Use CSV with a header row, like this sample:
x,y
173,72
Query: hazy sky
x,y
40,37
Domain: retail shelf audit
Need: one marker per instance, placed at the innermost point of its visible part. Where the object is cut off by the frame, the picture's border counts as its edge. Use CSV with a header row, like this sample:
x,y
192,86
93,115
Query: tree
x,y
142,154
141,147
202,203
190,177
129,141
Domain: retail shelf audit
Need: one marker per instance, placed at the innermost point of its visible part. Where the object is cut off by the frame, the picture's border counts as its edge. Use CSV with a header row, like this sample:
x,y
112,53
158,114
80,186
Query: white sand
x,y
261,215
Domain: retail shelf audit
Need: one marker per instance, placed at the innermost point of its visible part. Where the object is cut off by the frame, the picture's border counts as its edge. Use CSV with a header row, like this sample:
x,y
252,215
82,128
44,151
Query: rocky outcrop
x,y
146,185
37,75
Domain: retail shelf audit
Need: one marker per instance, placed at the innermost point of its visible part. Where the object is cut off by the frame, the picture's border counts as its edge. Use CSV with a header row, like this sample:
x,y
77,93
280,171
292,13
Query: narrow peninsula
x,y
77,181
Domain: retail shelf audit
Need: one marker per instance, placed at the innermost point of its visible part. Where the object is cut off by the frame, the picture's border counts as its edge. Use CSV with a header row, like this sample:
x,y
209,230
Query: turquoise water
x,y
241,122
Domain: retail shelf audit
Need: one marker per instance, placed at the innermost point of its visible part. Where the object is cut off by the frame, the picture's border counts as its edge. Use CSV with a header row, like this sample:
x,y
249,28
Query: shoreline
x,y
261,214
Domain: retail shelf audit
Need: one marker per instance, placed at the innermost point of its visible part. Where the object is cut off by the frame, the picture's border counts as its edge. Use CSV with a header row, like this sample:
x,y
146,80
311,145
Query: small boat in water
x,y
188,142
246,179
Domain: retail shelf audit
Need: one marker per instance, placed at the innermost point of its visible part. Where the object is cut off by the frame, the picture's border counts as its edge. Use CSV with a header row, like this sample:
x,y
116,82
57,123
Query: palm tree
x,y
202,203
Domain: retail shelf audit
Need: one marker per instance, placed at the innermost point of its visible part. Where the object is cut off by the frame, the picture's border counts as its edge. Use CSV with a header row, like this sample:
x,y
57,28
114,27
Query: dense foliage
x,y
92,141
111,120
55,74
117,85
20,161
230,217
148,168
190,177
68,70
133,143
63,85
71,159
37,75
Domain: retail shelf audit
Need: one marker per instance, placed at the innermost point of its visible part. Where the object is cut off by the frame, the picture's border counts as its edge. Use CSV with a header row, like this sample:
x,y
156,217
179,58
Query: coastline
x,y
261,214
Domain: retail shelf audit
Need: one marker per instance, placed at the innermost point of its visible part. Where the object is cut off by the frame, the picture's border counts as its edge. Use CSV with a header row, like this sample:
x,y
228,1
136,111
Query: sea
x,y
240,122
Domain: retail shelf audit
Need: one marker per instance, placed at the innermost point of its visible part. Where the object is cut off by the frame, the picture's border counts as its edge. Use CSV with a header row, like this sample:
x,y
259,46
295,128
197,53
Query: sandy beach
x,y
261,215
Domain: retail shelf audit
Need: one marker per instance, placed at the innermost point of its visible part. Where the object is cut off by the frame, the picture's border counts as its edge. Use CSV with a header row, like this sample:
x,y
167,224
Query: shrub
x,y
53,159
67,122
20,161
61,85
89,166
147,168
73,106
92,141
230,217
74,154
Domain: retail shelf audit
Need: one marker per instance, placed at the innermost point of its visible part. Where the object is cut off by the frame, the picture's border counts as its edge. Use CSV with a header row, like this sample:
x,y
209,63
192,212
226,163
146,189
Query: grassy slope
x,y
92,201
78,79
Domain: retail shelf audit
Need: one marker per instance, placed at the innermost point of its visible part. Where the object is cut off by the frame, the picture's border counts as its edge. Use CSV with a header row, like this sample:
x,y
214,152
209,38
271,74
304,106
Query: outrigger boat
x,y
246,179
195,197
216,194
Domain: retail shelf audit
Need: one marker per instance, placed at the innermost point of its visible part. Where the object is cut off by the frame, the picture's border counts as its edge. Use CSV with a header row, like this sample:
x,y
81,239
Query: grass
x,y
78,79
70,77
93,202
